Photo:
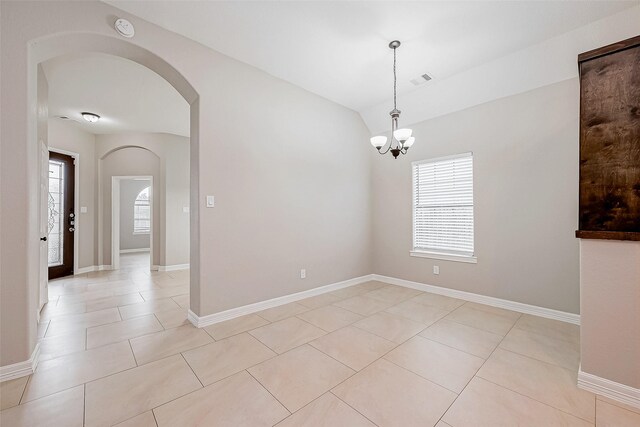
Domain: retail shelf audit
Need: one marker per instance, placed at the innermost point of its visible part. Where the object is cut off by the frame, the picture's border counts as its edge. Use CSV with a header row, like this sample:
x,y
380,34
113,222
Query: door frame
x,y
76,203
115,217
43,262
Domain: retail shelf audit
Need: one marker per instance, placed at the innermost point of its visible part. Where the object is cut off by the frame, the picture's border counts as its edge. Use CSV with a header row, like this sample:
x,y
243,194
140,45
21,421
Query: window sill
x,y
445,257
136,233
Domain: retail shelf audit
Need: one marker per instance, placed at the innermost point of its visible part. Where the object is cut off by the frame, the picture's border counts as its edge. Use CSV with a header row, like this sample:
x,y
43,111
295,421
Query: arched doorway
x,y
70,44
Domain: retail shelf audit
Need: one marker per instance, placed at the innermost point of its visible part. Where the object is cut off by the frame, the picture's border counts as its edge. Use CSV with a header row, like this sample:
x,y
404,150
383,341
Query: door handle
x,y
44,239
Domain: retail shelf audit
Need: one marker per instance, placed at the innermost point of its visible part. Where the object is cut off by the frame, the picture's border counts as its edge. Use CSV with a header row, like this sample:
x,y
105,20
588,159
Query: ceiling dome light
x,y
90,117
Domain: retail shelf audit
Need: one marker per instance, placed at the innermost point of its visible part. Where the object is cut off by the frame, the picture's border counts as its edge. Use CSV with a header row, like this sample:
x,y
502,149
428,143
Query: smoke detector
x,y
124,28
421,80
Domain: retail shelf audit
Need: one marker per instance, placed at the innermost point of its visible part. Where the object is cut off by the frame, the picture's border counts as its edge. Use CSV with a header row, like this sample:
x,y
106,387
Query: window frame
x,y
135,219
433,254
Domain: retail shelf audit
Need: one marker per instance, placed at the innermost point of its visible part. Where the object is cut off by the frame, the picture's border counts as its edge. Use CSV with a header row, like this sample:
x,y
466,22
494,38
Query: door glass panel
x,y
56,212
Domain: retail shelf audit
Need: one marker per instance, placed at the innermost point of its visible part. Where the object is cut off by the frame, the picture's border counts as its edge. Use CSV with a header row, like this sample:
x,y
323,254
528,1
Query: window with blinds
x,y
443,205
142,213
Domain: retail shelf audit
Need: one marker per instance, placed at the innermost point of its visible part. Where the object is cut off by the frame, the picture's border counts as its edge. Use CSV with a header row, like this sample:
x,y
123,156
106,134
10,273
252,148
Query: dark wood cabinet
x,y
609,206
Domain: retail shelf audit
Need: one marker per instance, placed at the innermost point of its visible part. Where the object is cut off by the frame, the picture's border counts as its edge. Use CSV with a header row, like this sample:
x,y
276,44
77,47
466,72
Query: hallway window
x,y
142,213
443,208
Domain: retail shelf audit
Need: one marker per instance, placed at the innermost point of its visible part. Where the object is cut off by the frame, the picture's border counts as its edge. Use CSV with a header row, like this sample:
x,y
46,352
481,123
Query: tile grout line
x,y
356,372
158,320
380,336
194,372
133,353
530,397
155,420
478,370
617,404
447,345
529,357
536,400
346,403
24,390
427,379
535,358
515,326
268,391
84,404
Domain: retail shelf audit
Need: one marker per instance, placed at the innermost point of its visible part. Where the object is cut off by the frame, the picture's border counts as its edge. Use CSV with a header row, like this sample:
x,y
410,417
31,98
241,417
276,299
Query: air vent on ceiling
x,y
420,80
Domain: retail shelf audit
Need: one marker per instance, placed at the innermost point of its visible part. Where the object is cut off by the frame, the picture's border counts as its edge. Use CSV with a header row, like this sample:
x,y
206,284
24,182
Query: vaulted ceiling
x,y
336,49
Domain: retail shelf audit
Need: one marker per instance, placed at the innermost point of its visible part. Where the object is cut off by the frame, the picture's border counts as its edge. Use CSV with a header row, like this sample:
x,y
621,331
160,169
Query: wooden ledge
x,y
608,235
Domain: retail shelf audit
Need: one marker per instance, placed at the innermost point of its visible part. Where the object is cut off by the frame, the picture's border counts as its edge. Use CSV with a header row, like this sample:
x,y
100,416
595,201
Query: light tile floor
x,y
117,350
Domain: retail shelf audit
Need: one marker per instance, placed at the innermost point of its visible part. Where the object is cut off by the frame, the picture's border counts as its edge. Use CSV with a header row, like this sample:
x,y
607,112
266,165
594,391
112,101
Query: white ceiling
x,y
338,49
335,49
127,96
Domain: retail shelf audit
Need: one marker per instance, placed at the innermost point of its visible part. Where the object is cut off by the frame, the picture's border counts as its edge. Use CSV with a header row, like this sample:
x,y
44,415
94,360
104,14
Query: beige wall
x,y
610,307
171,192
288,168
176,187
129,190
525,191
66,136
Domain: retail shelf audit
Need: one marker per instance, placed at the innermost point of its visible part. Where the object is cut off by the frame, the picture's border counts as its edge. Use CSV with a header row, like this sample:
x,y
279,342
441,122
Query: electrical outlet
x,y
436,269
303,273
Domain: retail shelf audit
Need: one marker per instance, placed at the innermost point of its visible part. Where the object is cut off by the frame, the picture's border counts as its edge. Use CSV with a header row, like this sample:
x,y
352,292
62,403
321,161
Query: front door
x,y
61,216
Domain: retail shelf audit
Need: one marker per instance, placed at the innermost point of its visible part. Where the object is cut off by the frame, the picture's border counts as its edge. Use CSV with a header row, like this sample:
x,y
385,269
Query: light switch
x,y
210,201
185,209
83,209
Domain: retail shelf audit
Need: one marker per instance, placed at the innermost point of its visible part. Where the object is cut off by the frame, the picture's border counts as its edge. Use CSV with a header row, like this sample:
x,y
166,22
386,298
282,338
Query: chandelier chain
x,y
394,79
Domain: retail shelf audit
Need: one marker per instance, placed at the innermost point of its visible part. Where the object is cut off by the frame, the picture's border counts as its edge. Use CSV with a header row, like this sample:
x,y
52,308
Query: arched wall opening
x,y
63,44
129,160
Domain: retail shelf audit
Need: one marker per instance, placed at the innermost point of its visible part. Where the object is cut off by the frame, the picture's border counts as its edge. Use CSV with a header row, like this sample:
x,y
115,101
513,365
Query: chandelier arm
x,y
388,148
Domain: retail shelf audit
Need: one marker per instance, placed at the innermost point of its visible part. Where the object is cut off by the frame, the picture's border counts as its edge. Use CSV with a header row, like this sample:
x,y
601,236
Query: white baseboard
x,y
467,296
483,299
89,269
130,251
105,267
210,319
173,267
607,388
21,369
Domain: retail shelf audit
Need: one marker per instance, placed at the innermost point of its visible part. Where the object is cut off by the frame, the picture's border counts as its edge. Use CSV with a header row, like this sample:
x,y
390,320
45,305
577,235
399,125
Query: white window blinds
x,y
443,205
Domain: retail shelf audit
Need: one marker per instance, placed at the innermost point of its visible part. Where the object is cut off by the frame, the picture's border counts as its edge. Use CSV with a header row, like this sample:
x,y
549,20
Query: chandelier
x,y
401,139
